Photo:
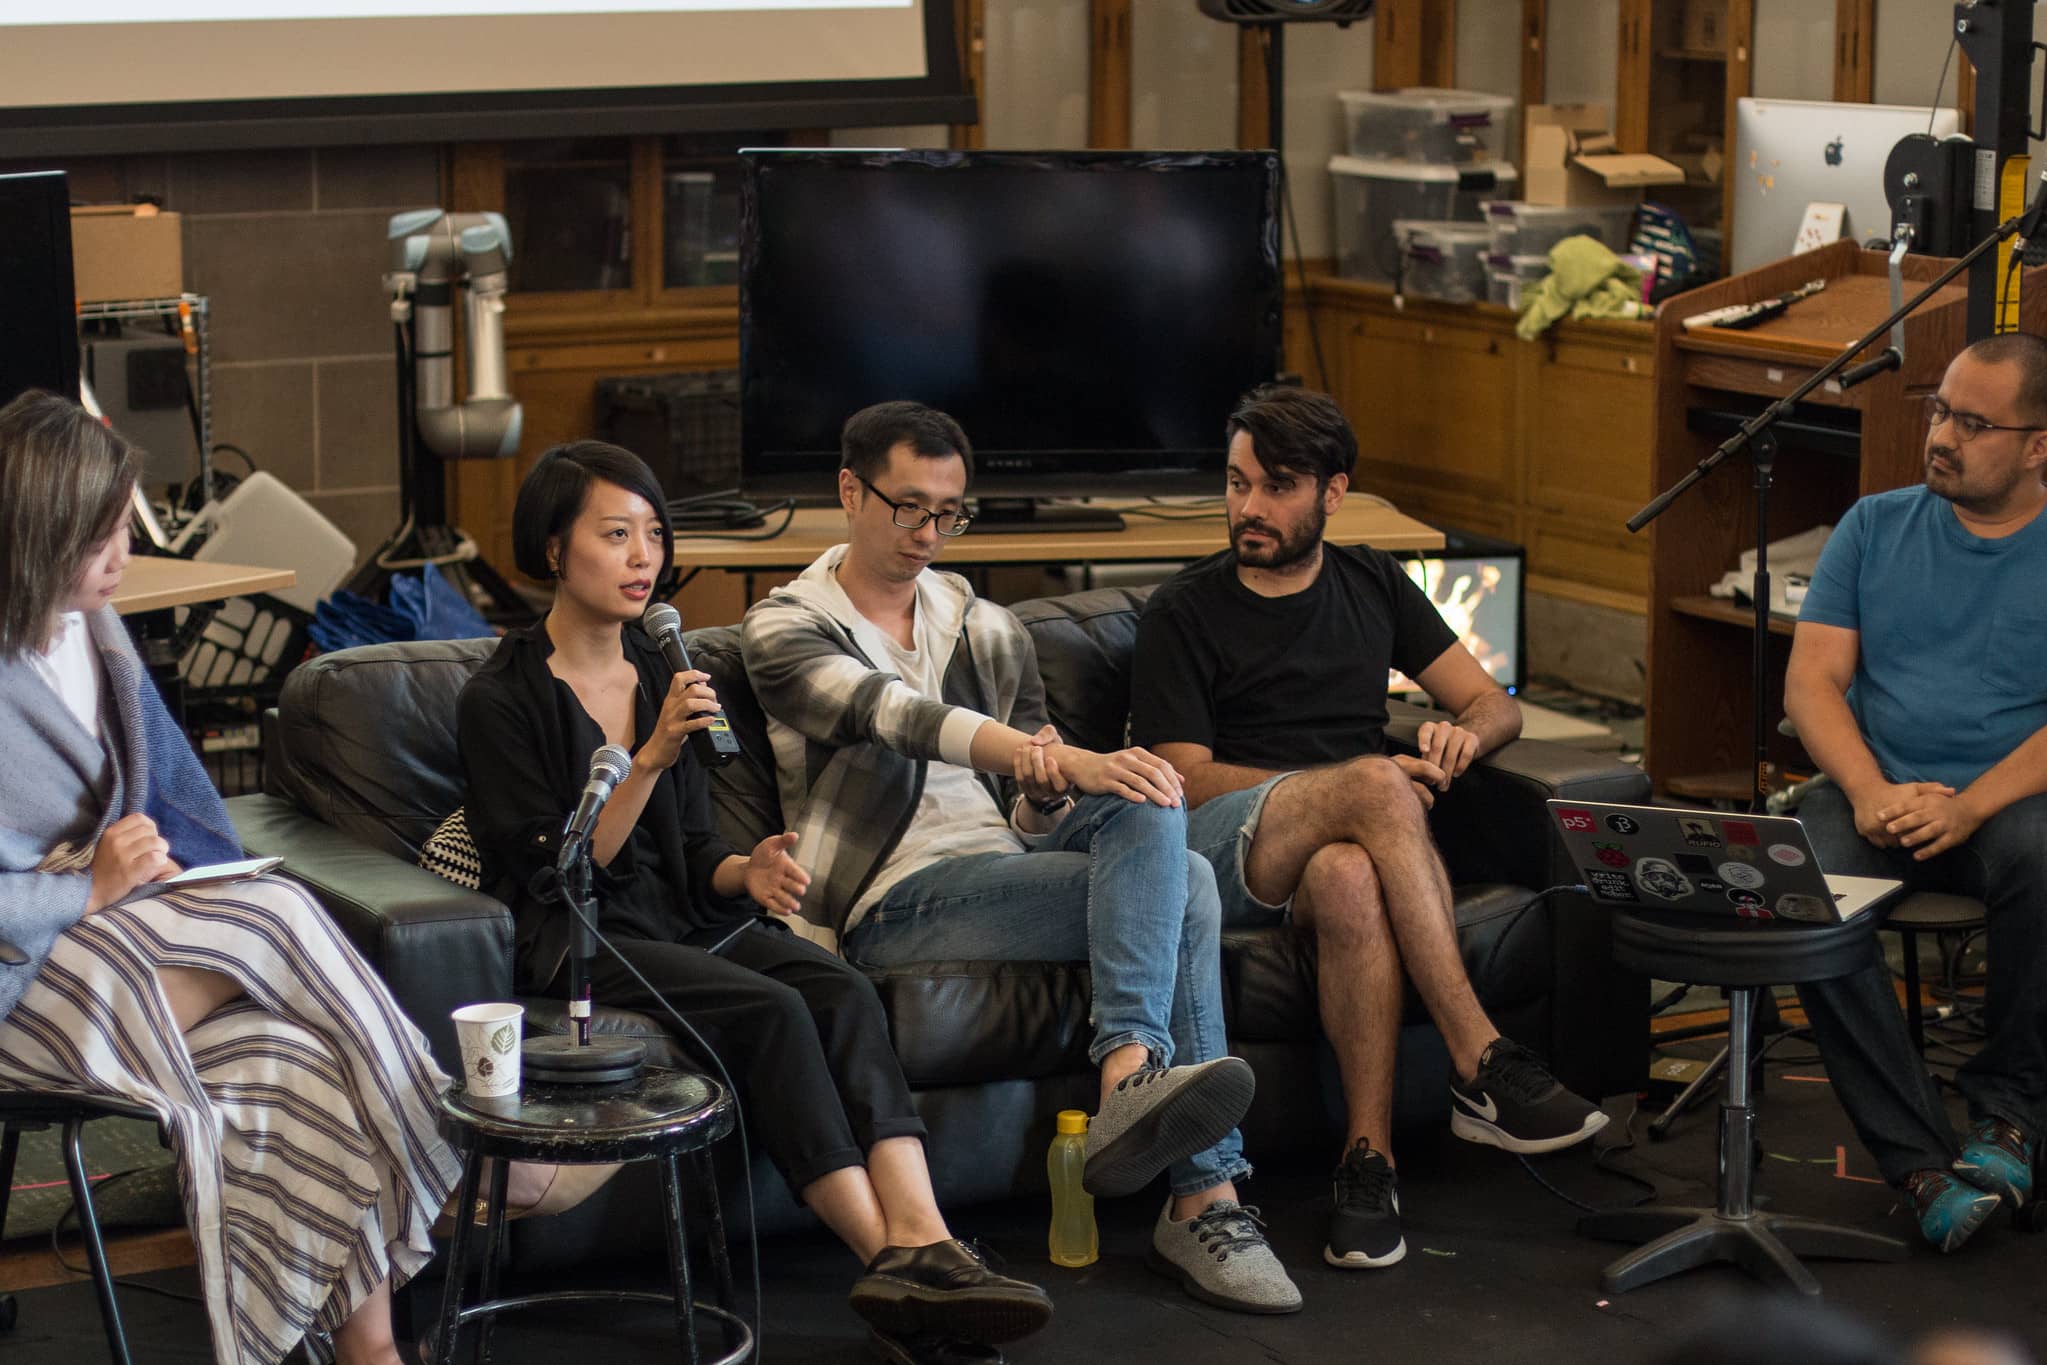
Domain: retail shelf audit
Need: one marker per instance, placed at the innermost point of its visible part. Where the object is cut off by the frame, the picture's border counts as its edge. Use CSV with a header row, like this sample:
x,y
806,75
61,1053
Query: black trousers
x,y
801,1031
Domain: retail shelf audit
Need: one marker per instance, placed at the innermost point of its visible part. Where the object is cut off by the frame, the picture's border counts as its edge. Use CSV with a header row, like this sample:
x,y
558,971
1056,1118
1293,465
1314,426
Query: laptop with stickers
x,y
1757,867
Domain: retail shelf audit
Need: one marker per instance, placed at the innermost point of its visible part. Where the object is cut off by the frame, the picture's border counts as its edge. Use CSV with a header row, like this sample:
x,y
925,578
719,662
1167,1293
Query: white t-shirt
x,y
71,667
955,815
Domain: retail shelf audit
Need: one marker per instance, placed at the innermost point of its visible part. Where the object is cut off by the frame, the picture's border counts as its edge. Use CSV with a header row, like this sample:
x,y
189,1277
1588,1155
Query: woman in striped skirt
x,y
298,1099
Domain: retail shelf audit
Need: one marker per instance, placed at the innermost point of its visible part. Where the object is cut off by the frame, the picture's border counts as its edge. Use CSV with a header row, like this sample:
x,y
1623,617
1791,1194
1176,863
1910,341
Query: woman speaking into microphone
x,y
801,1032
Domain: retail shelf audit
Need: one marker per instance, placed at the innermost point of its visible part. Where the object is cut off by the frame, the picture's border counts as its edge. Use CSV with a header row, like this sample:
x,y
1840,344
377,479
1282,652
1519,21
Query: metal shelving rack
x,y
190,312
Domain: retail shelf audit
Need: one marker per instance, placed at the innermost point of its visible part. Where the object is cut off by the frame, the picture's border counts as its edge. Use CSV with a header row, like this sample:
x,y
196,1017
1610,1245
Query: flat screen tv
x,y
1089,317
39,339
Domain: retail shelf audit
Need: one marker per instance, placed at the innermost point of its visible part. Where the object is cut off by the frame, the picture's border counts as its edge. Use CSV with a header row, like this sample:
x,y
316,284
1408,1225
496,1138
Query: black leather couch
x,y
362,765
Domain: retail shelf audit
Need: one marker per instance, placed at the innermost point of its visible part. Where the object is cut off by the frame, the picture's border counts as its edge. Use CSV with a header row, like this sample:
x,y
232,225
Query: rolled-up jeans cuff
x,y
1239,1169
1162,1048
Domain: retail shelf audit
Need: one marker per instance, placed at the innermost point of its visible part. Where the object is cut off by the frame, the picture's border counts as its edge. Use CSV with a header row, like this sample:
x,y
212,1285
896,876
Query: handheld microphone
x,y
608,767
715,745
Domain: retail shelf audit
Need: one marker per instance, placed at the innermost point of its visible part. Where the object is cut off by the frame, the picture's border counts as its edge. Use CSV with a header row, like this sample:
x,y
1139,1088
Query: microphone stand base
x,y
559,1060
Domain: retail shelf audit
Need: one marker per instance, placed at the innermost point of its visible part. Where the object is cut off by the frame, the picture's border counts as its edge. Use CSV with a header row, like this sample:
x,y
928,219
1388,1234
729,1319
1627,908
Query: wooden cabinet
x,y
1463,424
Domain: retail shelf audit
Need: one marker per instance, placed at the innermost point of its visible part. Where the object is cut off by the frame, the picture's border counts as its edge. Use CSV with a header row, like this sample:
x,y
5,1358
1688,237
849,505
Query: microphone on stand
x,y
574,1058
608,767
715,745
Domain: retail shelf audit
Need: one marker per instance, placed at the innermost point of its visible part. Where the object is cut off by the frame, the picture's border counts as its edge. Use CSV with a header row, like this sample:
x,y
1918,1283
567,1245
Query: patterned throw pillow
x,y
449,852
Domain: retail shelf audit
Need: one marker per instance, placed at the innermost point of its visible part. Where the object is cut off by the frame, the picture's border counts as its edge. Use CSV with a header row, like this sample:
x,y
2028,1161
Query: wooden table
x,y
154,582
1181,531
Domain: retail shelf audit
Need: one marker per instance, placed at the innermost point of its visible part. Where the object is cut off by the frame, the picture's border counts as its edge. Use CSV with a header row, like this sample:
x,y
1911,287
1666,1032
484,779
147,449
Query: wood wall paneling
x,y
1854,51
1534,58
1109,86
1414,42
1254,121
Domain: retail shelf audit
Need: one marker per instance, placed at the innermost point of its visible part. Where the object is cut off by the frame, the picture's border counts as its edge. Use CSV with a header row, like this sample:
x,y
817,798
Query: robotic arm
x,y
434,253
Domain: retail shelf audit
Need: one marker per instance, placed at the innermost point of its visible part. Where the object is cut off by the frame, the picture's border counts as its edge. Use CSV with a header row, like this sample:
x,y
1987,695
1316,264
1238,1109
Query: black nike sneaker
x,y
1364,1229
1514,1103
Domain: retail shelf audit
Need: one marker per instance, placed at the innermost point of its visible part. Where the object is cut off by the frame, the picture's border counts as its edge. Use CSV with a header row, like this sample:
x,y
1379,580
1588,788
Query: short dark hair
x,y
2029,353
1296,429
553,495
65,477
871,433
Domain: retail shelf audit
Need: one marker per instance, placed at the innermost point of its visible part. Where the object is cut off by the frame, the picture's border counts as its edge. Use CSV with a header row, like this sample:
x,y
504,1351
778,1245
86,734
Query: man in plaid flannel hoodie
x,y
940,817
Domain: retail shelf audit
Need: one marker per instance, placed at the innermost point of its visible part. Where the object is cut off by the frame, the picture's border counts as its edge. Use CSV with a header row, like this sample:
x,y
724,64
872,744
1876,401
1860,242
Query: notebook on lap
x,y
1758,867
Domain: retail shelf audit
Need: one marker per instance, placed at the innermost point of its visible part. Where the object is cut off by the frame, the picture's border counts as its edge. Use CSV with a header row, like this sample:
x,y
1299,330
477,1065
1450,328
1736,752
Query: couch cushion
x,y
1084,641
743,792
367,736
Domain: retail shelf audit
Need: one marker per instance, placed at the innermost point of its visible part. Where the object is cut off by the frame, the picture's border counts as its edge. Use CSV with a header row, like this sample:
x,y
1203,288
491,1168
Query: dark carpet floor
x,y
1494,1271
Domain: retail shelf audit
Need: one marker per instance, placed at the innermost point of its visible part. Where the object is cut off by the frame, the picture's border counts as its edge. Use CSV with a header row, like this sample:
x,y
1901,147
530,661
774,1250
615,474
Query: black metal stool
x,y
1929,912
1742,958
32,1111
662,1116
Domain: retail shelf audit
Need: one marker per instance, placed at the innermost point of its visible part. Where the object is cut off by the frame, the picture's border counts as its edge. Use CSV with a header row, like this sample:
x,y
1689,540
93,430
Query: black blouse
x,y
526,743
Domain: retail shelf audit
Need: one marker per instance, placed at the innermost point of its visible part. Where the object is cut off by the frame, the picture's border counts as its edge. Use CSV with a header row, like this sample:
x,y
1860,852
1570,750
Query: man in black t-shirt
x,y
1261,675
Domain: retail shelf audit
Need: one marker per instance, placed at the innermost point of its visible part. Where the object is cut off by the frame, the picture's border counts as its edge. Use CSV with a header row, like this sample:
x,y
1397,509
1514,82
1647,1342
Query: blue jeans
x,y
1115,885
1881,1081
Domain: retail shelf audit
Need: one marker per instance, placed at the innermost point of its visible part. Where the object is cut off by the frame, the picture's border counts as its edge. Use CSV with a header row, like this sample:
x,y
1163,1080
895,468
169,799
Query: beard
x,y
1290,546
1953,483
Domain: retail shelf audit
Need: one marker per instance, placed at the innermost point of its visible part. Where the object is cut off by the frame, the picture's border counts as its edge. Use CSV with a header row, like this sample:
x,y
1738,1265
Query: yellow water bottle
x,y
1073,1208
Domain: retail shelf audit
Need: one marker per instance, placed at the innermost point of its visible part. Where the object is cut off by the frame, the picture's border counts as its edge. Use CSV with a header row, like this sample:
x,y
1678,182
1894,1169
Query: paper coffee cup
x,y
488,1036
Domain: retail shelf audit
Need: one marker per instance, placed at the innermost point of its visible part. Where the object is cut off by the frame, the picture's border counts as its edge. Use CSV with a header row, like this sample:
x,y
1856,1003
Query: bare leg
x,y
902,1185
194,993
845,1199
366,1338
1358,976
1185,1206
1370,802
1120,1063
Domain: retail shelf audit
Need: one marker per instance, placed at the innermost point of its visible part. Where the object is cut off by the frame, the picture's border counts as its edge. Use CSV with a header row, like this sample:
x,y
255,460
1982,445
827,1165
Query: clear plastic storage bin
x,y
1443,260
1368,197
1508,276
1532,229
1434,127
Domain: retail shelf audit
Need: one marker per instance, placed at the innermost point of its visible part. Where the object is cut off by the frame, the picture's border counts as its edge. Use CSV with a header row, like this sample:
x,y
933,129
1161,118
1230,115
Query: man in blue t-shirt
x,y
1918,683
1259,673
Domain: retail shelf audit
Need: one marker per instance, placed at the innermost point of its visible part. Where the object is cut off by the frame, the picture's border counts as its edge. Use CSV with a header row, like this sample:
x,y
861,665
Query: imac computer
x,y
1790,153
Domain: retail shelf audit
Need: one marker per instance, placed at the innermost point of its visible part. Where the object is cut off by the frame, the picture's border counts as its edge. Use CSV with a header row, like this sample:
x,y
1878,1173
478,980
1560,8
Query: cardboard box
x,y
126,251
1571,160
1705,26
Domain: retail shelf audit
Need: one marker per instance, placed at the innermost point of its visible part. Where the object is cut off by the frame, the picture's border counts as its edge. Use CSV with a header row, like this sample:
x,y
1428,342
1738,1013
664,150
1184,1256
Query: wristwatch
x,y
1054,806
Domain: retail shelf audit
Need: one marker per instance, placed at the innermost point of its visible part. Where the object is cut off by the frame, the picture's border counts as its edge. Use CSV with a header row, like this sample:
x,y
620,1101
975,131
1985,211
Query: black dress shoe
x,y
929,1350
947,1291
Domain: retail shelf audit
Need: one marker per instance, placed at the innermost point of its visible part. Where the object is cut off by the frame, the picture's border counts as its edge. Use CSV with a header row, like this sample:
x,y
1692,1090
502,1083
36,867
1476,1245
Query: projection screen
x,y
137,75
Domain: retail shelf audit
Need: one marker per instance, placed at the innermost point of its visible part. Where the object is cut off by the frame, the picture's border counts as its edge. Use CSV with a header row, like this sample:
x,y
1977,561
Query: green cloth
x,y
1585,281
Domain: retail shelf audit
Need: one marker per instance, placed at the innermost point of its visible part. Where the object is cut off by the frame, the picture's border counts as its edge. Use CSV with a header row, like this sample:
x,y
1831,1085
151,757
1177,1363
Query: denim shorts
x,y
1220,830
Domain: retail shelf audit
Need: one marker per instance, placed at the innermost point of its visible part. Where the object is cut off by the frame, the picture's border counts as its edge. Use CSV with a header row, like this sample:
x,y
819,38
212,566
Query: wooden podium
x,y
1844,445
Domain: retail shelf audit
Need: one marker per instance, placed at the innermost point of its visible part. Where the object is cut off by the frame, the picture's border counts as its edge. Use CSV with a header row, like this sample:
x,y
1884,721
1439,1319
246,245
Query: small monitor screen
x,y
1480,597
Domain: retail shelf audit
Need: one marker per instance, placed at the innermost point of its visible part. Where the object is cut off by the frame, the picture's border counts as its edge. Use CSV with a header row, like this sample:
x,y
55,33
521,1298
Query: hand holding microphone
x,y
709,733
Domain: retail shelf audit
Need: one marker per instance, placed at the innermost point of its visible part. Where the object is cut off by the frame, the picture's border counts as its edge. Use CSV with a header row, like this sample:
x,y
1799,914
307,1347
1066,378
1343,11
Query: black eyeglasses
x,y
1968,426
911,517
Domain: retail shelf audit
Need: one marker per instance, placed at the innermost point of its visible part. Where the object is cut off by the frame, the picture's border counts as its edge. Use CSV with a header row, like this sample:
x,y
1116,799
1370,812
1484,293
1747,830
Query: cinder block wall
x,y
289,248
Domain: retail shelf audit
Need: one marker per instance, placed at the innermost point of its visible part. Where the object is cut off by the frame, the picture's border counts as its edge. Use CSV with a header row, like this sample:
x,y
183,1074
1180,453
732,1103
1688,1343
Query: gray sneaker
x,y
1159,1115
1220,1256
